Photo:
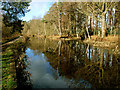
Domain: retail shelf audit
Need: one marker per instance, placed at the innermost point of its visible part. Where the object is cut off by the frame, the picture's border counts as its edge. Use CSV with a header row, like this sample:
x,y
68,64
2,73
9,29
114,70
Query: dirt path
x,y
11,41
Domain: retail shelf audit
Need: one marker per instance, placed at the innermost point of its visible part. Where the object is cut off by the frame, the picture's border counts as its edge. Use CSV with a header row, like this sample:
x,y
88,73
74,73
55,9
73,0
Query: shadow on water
x,y
14,74
44,63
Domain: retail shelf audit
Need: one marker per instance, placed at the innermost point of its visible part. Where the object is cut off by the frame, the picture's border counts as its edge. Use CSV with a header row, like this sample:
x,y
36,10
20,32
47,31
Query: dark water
x,y
67,64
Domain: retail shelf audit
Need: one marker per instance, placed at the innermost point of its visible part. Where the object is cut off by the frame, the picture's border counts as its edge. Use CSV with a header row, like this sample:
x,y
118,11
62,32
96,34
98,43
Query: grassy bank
x,y
10,55
107,42
8,69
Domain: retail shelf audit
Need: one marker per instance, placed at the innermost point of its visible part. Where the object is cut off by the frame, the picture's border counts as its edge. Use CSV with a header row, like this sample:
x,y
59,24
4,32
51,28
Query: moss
x,y
11,83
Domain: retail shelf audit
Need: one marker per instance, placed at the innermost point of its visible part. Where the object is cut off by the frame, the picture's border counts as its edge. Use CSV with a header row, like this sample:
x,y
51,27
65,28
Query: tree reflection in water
x,y
80,62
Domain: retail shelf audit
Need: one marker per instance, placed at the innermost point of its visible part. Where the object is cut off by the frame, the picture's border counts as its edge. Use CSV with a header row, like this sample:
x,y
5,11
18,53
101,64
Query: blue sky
x,y
38,9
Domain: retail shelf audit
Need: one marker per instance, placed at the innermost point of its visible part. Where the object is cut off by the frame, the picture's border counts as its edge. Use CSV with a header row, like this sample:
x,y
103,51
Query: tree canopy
x,y
12,13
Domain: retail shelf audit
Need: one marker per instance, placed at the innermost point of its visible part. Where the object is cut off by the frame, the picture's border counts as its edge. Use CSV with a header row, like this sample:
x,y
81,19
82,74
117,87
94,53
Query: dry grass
x,y
112,38
107,42
106,39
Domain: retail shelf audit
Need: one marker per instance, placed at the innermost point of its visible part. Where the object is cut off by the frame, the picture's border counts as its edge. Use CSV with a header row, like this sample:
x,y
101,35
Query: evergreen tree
x,y
13,11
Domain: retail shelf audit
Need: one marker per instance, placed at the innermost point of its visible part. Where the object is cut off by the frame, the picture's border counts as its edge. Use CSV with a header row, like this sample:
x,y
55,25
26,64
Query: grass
x,y
7,80
109,38
9,55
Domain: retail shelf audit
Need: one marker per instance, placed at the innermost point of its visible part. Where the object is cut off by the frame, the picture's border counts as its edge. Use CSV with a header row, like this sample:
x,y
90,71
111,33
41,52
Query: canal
x,y
45,63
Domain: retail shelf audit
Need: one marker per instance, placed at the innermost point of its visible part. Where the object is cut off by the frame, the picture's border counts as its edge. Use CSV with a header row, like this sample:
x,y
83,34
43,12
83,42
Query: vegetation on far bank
x,y
77,19
64,20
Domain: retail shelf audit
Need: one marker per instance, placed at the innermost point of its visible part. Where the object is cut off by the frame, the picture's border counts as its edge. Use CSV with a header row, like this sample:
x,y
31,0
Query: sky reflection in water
x,y
43,75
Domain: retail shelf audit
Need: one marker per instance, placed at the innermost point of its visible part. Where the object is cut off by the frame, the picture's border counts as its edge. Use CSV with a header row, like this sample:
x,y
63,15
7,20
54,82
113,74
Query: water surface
x,y
61,64
45,63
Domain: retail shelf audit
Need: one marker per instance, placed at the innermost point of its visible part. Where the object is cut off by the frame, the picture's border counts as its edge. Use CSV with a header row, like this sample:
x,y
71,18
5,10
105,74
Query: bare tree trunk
x,y
87,27
93,20
96,24
76,25
93,23
59,25
103,25
112,25
44,29
74,29
59,19
99,32
110,16
117,21
56,28
90,24
62,25
70,22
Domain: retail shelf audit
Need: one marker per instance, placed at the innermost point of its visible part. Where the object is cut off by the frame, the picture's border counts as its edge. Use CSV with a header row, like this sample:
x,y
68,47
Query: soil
x,y
64,38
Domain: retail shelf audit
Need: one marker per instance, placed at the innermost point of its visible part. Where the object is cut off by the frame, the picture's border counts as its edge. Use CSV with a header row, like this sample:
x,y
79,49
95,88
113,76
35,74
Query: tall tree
x,y
59,17
100,8
44,21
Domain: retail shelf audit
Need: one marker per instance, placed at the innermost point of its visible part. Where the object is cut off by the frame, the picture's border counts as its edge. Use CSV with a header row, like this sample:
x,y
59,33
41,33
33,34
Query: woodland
x,y
77,19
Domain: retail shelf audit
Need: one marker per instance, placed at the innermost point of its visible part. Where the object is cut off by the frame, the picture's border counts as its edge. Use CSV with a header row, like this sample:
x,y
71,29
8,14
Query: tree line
x,y
78,19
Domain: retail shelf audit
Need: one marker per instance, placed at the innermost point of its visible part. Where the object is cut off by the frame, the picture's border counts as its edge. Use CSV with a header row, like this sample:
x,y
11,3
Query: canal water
x,y
67,64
